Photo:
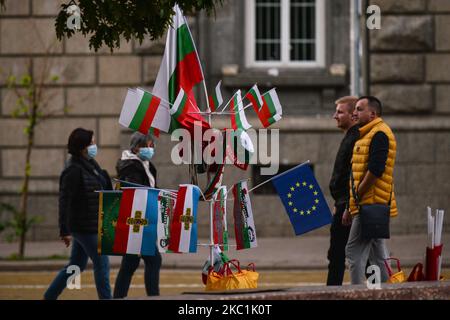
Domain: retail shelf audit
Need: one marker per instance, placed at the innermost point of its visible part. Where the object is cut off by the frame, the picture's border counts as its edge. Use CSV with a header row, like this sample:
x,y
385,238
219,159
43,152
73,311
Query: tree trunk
x,y
24,192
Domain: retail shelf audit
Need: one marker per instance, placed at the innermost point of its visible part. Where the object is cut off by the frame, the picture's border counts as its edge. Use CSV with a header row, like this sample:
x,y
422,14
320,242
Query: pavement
x,y
293,253
425,290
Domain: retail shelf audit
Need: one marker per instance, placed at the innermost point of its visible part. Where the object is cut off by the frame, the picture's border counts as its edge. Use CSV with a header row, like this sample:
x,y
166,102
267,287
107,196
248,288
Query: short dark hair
x,y
374,103
78,140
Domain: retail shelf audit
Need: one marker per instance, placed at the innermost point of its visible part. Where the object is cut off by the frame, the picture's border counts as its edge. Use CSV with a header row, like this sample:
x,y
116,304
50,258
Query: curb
x,y
48,265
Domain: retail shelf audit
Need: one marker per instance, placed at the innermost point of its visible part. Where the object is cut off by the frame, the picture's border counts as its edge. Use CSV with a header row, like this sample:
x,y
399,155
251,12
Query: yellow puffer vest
x,y
380,191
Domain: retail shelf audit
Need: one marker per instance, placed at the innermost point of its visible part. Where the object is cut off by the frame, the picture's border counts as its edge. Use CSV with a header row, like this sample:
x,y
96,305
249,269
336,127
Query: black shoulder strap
x,y
355,195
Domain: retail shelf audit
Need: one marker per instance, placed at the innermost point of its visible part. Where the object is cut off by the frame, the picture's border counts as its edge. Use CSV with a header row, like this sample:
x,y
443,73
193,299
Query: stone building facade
x,y
409,60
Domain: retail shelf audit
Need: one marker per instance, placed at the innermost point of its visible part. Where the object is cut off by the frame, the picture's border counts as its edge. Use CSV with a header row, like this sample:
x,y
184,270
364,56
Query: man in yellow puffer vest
x,y
373,167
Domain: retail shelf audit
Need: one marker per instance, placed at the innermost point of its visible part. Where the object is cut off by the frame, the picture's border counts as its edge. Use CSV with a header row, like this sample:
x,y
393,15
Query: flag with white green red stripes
x,y
244,224
255,98
180,69
271,110
238,119
220,228
181,115
142,110
216,100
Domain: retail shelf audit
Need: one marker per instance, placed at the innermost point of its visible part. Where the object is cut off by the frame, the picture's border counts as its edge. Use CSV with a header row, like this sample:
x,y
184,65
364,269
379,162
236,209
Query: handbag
x,y
226,279
374,218
397,277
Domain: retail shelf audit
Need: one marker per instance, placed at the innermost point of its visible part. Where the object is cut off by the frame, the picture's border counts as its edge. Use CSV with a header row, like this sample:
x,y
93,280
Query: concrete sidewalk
x,y
305,252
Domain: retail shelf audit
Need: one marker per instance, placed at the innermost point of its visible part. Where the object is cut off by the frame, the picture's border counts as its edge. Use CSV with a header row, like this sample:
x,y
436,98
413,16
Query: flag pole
x,y
222,112
201,68
211,206
278,175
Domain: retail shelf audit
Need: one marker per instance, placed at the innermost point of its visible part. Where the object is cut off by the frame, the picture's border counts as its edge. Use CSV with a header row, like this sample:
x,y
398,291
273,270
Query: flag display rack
x,y
211,202
165,110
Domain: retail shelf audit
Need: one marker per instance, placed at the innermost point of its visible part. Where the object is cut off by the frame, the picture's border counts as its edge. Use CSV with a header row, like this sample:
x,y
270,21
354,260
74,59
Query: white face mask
x,y
146,153
92,151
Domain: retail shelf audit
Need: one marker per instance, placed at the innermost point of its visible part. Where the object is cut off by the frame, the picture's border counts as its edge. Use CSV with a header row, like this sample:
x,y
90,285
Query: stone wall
x,y
409,71
89,93
410,56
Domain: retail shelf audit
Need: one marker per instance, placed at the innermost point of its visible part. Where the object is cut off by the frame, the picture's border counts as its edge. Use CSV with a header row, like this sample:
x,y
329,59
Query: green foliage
x,y
107,21
13,223
31,104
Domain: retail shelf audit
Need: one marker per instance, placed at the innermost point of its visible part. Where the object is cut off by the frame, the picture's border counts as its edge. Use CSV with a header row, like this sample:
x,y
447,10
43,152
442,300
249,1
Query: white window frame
x,y
250,37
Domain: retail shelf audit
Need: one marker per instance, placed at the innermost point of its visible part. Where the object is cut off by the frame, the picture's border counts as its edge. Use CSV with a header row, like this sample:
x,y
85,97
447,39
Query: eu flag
x,y
302,198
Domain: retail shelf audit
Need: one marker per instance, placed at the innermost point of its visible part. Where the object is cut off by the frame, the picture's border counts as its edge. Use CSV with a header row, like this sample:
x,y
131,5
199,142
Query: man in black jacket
x,y
135,167
339,187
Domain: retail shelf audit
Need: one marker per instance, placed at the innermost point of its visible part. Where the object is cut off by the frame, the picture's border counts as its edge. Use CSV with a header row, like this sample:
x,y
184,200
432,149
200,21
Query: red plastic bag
x,y
416,273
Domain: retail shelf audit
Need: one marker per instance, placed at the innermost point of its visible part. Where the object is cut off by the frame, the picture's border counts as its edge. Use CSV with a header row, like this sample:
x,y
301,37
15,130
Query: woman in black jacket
x,y
135,167
78,213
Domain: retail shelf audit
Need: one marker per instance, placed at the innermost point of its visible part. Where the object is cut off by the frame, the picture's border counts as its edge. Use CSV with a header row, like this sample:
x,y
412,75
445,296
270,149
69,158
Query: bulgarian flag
x,y
183,228
244,225
216,100
220,229
239,148
271,110
255,98
136,225
180,69
142,111
166,206
217,170
181,114
238,119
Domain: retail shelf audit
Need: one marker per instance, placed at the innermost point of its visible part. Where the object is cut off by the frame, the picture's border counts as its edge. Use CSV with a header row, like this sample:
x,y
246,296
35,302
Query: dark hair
x,y
78,140
374,103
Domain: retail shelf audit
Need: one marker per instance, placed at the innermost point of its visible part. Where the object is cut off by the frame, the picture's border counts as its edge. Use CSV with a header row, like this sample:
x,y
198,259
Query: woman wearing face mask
x,y
78,213
135,167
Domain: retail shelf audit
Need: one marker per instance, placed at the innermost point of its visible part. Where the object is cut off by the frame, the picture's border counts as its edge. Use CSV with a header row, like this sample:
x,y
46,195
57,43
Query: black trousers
x,y
336,253
127,268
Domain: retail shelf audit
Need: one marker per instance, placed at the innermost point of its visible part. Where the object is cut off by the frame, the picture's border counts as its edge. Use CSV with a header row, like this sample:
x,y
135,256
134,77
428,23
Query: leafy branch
x,y
108,21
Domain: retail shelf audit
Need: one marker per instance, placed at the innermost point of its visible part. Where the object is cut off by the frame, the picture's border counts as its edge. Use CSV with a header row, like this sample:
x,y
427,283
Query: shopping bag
x,y
396,277
227,279
219,259
416,273
432,263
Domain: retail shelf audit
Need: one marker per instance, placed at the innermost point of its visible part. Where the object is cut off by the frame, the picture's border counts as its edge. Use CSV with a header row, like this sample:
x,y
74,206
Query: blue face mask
x,y
146,153
92,151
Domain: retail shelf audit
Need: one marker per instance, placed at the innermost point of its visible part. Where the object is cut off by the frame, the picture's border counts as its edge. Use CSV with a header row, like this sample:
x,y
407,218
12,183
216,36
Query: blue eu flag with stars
x,y
302,198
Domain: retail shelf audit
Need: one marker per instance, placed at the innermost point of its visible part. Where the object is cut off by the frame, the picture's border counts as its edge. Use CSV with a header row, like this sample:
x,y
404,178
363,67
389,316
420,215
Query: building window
x,y
285,33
